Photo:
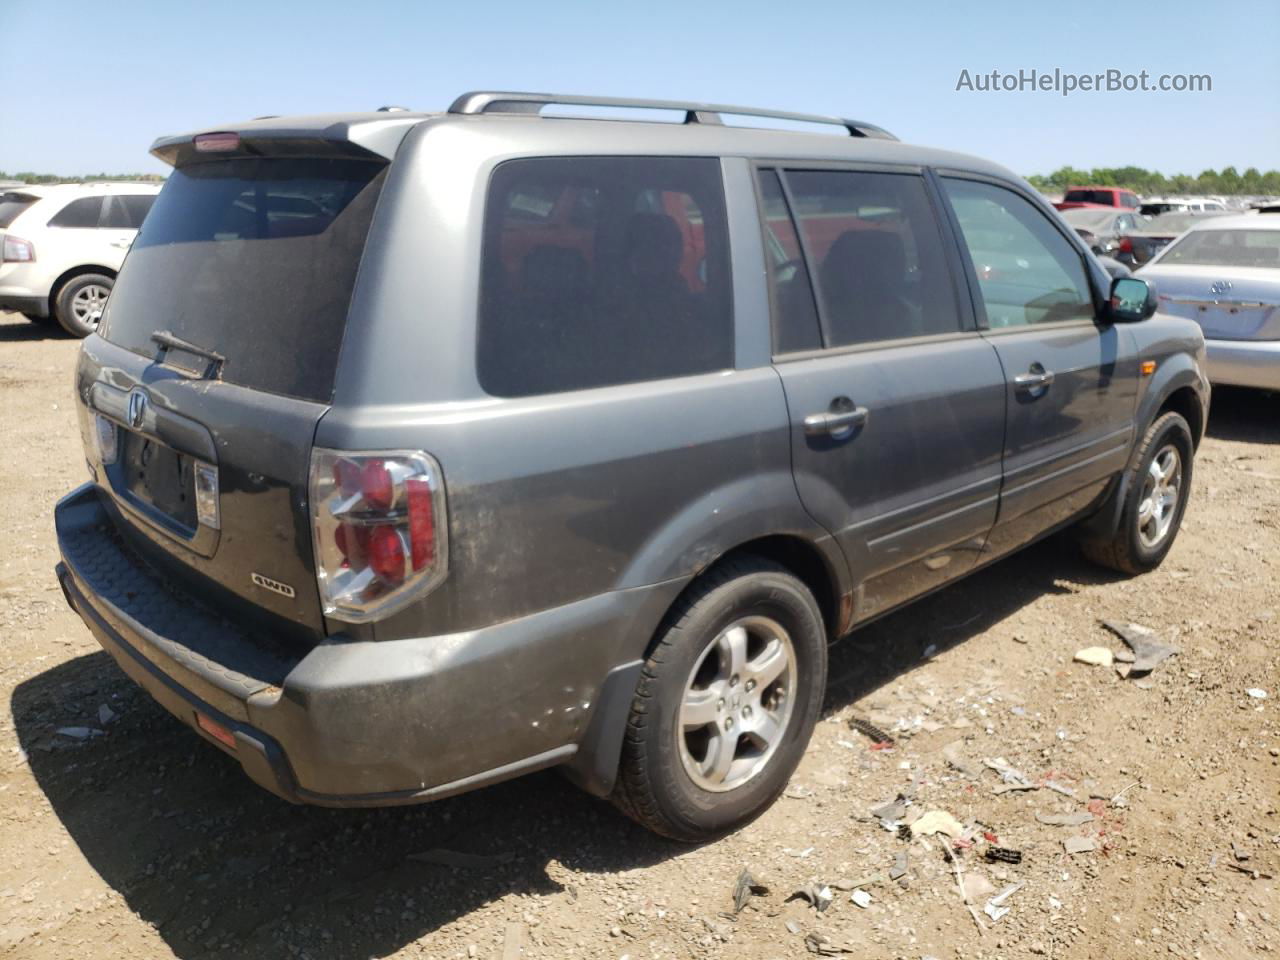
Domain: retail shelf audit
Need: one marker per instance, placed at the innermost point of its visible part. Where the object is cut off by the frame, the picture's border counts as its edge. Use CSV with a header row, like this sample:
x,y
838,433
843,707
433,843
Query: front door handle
x,y
844,417
1034,381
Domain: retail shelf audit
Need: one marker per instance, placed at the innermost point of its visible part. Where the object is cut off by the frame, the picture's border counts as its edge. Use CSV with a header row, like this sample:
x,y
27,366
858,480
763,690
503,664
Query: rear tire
x,y
78,304
726,703
1159,481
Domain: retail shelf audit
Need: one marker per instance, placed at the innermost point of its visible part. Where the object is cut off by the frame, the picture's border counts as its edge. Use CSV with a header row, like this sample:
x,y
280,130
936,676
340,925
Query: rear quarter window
x,y
12,204
602,271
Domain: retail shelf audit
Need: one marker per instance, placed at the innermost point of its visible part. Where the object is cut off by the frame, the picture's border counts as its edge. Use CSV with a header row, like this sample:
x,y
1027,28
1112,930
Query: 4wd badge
x,y
275,586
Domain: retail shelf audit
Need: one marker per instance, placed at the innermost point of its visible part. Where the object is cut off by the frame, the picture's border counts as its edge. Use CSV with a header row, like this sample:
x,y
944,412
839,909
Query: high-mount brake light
x,y
217,142
379,528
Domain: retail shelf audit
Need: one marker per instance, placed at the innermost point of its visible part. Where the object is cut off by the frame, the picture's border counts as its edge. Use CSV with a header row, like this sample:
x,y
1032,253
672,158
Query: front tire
x,y
79,304
1159,480
726,703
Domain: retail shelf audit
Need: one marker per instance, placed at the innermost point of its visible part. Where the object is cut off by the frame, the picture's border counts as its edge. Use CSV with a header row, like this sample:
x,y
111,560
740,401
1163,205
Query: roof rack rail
x,y
478,102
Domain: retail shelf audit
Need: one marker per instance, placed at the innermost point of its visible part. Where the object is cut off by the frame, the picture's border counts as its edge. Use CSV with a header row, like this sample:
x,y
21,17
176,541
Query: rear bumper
x,y
25,303
1244,363
359,723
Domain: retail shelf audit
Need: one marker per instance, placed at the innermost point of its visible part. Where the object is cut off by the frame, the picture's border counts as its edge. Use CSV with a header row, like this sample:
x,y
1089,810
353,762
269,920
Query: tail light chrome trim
x,y
380,530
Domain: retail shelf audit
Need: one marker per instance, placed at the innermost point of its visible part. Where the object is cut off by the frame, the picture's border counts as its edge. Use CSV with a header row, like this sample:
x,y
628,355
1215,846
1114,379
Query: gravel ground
x,y
143,841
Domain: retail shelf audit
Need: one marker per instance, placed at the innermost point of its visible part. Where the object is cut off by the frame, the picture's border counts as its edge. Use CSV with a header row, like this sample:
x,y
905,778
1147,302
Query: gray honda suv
x,y
430,449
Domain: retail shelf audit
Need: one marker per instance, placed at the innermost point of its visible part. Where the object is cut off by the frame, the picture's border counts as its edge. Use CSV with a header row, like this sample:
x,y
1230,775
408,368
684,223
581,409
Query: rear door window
x,y
602,271
86,212
126,212
253,259
875,248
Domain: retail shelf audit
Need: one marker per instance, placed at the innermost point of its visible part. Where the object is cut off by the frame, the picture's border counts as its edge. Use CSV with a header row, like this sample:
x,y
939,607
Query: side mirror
x,y
1132,299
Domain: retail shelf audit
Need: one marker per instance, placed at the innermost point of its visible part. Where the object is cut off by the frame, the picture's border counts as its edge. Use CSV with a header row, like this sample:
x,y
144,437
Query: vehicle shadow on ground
x,y
1250,416
17,329
209,858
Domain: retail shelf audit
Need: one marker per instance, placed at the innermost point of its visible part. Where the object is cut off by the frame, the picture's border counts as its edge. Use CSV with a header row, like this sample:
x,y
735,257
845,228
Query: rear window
x,y
601,271
12,204
253,259
1226,248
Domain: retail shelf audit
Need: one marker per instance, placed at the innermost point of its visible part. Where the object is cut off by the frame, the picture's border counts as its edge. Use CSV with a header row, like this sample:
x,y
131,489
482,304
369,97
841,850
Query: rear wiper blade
x,y
168,341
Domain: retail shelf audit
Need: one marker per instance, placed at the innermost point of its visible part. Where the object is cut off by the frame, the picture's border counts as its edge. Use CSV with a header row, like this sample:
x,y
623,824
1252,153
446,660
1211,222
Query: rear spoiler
x,y
376,136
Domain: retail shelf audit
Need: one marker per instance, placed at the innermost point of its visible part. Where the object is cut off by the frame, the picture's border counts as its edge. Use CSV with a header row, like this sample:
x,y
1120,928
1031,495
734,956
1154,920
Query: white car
x,y
1224,273
62,245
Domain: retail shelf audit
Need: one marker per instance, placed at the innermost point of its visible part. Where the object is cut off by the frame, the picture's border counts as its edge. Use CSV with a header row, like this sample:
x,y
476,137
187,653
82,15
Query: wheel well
x,y
808,565
1185,402
71,274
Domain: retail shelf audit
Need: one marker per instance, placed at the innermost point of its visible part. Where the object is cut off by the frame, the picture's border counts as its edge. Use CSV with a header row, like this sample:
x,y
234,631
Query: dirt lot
x,y
143,841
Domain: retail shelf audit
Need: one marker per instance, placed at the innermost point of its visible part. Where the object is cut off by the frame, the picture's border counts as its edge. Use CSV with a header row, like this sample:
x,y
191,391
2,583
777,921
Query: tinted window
x,y
12,204
795,318
127,212
1027,271
254,259
601,271
874,246
84,212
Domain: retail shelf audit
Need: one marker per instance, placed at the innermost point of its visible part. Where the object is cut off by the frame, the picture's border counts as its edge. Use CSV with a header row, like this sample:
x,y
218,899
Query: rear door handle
x,y
1037,378
844,416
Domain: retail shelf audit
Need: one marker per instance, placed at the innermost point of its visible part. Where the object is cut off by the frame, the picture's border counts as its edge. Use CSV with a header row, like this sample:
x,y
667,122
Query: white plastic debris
x,y
861,898
1257,693
995,908
1095,656
937,821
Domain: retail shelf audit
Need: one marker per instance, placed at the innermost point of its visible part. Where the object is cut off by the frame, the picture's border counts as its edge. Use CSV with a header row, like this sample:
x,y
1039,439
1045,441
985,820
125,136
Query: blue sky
x,y
86,87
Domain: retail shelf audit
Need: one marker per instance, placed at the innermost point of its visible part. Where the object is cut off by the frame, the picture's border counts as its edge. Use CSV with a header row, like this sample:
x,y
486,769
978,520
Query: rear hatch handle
x,y
167,342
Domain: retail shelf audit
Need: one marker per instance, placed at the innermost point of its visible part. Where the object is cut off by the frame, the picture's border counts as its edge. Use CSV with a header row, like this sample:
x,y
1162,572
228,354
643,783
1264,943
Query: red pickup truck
x,y
1097,197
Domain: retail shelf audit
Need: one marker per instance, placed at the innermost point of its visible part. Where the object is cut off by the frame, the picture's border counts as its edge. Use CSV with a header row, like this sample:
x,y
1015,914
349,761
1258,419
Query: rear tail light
x,y
1126,245
17,250
380,530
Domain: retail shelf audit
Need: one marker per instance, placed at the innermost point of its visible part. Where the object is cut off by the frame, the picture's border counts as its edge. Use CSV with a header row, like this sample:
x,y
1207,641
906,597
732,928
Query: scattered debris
x,y
937,821
513,942
870,730
931,651
976,886
1249,871
798,854
1095,656
1239,852
1148,651
1079,845
1065,819
1007,787
823,946
1257,693
79,733
1118,800
861,898
746,888
465,861
817,895
1002,855
995,908
1010,775
899,868
889,813
1059,788
105,714
965,767
798,791
955,865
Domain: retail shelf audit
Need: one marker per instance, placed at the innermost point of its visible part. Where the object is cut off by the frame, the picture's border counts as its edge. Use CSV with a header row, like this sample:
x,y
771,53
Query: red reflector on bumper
x,y
216,730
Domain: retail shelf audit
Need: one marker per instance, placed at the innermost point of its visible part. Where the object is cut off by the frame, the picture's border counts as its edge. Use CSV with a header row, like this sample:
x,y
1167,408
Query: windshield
x,y
1090,196
1092,219
1226,248
253,259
